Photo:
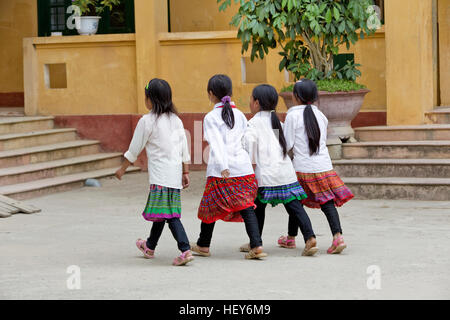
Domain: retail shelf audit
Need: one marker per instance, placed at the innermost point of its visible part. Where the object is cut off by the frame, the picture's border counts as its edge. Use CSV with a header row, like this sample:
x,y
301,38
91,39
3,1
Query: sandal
x,y
183,259
245,248
253,254
337,246
142,246
287,243
196,249
310,250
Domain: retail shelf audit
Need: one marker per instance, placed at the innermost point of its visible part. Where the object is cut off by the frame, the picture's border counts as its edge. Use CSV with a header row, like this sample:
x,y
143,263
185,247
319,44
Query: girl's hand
x,y
186,180
119,173
225,174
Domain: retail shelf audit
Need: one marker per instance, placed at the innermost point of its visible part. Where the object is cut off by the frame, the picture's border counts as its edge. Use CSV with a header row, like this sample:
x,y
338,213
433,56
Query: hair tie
x,y
226,99
310,102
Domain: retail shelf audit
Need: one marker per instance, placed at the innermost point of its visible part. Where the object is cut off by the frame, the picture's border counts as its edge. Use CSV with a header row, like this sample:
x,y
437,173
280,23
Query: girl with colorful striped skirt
x,y
305,131
162,134
265,142
231,185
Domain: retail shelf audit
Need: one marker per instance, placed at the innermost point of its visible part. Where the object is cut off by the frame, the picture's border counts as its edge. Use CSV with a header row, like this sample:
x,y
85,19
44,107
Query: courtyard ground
x,y
96,228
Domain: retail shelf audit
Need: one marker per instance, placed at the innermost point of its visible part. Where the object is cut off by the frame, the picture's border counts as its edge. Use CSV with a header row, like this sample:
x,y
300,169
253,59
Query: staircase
x,y
37,159
400,162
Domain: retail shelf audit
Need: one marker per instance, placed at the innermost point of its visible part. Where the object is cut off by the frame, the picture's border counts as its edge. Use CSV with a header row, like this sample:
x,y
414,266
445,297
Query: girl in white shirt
x,y
305,130
162,134
231,186
277,181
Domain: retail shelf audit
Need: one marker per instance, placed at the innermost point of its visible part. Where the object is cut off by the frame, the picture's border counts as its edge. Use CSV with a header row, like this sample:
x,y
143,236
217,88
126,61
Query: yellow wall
x,y
444,51
199,15
410,64
371,54
18,19
101,75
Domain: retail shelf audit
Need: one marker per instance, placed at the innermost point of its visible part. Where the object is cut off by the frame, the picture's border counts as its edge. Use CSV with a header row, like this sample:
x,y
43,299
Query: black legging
x,y
332,216
178,232
297,216
251,226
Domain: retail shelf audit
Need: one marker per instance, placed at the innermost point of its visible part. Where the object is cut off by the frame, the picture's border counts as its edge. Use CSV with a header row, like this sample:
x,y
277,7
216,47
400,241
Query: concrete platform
x,y
96,228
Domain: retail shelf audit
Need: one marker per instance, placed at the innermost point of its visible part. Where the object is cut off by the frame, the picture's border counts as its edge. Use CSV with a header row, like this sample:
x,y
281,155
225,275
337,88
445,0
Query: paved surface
x,y
95,229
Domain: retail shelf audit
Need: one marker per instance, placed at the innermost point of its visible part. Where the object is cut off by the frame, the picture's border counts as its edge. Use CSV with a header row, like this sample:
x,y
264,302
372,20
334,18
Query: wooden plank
x,y
25,208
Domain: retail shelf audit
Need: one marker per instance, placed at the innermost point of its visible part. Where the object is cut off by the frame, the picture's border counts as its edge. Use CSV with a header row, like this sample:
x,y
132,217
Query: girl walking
x,y
162,134
277,181
305,131
231,185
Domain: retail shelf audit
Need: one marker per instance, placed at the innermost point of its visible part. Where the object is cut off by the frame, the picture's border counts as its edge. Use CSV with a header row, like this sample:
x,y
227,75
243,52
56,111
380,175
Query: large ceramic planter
x,y
87,25
340,108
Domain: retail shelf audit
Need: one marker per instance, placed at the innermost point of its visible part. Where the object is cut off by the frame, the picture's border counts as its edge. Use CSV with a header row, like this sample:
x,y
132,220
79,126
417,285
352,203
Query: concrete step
x,y
36,138
439,115
397,150
430,189
403,133
12,125
12,112
44,170
42,187
426,168
50,152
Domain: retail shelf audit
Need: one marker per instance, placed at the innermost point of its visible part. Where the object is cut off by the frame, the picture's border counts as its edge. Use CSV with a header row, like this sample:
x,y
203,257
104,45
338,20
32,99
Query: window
x,y
380,4
52,17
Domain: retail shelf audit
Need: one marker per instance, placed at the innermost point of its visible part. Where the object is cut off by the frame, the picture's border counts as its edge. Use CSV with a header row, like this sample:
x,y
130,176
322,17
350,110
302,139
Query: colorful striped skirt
x,y
324,187
281,194
163,203
223,199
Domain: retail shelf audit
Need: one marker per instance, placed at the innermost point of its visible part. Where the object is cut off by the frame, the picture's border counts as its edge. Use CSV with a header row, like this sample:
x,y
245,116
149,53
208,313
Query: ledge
x,y
177,38
127,39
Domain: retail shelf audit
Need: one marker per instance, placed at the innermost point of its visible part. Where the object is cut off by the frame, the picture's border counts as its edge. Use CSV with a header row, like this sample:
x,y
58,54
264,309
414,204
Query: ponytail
x,y
276,125
306,91
227,113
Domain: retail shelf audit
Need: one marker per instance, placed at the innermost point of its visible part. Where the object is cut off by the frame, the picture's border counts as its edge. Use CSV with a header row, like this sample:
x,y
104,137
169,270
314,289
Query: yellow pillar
x,y
411,60
444,51
151,18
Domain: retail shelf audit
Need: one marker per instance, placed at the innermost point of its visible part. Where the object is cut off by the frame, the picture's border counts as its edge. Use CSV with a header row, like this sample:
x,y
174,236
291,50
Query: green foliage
x,y
308,31
332,85
89,7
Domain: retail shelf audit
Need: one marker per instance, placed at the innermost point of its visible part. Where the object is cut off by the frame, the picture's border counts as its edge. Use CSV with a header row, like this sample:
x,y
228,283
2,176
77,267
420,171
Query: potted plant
x,y
309,34
87,23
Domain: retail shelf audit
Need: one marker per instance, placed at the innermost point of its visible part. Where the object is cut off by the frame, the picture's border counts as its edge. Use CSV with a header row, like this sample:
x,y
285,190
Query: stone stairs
x,y
400,162
37,159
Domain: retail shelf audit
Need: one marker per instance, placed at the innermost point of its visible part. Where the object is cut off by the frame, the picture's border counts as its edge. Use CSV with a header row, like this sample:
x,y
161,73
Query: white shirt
x,y
261,141
226,150
295,133
165,142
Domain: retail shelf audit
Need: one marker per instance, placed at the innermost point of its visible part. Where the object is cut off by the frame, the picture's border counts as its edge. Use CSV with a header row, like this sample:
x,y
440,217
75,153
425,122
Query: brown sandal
x,y
252,254
196,249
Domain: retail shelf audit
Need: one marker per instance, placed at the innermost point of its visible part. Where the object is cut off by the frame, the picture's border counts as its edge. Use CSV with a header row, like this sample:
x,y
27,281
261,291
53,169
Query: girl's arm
x,y
289,131
140,138
214,137
186,179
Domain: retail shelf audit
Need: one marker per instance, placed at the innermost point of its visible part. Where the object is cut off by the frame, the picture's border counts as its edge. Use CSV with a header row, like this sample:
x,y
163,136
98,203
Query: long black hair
x,y
267,96
160,95
222,87
306,91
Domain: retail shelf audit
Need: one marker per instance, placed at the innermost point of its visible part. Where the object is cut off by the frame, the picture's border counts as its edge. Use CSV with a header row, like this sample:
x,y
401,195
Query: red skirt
x,y
323,187
223,199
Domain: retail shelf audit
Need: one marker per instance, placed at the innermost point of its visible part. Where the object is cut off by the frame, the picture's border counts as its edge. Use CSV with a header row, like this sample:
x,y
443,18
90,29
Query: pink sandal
x,y
183,259
287,243
142,246
337,246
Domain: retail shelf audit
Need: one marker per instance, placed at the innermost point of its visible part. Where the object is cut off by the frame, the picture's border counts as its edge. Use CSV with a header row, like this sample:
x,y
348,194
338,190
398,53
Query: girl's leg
x,y
155,234
292,227
206,232
178,232
298,215
260,212
252,227
333,217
